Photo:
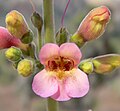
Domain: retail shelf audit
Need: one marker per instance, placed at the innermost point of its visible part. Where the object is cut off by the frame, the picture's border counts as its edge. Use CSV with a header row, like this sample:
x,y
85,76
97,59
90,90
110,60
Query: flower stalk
x,y
49,29
38,23
48,7
52,105
40,40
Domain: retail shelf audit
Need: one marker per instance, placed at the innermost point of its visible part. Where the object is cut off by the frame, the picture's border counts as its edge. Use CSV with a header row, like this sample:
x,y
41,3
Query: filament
x,y
65,10
32,4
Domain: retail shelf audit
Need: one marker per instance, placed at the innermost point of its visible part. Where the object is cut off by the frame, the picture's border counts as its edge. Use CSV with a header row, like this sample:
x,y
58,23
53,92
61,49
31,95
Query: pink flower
x,y
61,79
7,40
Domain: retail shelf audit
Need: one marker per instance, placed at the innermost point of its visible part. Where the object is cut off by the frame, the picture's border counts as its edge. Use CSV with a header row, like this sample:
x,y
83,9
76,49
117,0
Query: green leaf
x,y
106,63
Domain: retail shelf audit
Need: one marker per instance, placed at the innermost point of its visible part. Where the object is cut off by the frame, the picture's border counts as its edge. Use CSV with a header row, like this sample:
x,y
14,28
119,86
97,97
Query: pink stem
x,y
33,6
63,16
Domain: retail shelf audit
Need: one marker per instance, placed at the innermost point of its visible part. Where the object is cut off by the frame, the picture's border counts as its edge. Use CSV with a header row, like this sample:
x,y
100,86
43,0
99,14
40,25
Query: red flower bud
x,y
7,40
93,25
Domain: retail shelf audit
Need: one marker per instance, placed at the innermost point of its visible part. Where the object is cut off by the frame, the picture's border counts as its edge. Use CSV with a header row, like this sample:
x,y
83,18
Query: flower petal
x,y
61,94
70,50
48,51
44,85
77,85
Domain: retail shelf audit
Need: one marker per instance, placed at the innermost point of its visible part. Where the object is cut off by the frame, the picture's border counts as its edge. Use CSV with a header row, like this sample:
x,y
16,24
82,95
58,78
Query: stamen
x,y
63,16
60,64
68,65
52,65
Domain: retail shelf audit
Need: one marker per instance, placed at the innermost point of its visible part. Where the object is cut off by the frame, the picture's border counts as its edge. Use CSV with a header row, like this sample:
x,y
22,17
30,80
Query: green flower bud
x,y
37,20
16,24
86,66
13,54
61,36
106,63
27,38
25,67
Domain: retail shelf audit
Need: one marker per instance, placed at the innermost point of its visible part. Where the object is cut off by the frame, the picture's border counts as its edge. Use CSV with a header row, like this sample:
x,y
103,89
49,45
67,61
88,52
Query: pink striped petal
x,y
77,85
44,84
48,51
70,50
61,94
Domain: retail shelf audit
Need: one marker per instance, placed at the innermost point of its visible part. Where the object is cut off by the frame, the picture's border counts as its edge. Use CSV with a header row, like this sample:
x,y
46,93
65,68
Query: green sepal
x,y
86,66
61,36
77,39
37,20
27,38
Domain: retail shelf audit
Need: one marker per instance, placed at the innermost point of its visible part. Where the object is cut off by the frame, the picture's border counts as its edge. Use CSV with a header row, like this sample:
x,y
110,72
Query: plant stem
x,y
49,29
32,51
40,40
52,105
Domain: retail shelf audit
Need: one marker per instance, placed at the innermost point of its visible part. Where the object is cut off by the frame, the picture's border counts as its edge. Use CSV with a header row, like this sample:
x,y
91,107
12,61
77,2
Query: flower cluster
x,y
64,76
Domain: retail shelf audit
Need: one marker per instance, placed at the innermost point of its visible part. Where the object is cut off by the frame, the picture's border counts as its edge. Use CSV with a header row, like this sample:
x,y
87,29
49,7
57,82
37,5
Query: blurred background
x,y
104,94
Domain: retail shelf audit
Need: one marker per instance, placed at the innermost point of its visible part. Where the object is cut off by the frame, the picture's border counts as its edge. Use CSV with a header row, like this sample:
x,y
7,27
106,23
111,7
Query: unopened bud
x,y
25,67
93,26
16,24
13,54
7,40
27,38
102,68
106,63
37,20
86,66
61,36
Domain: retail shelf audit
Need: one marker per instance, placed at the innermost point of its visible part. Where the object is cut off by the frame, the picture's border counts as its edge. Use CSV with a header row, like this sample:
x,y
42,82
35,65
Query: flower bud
x,y
13,54
25,67
37,20
106,63
61,36
7,40
16,24
86,66
27,38
93,25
